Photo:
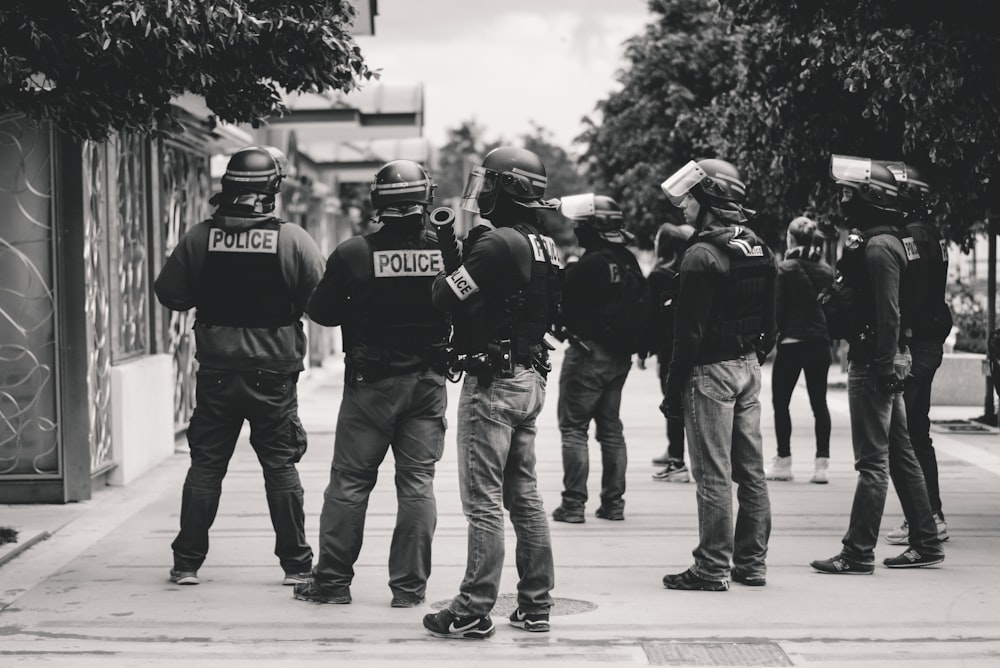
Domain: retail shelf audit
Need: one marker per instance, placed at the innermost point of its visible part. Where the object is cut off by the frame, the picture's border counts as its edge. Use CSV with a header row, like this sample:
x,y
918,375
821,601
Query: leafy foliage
x,y
96,67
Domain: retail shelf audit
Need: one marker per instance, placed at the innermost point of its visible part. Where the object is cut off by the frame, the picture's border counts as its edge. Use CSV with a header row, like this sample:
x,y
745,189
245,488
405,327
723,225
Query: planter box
x,y
961,380
142,418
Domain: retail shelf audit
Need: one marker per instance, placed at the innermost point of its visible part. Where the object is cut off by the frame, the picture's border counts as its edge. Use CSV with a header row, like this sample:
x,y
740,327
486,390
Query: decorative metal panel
x,y
185,188
130,249
29,437
97,303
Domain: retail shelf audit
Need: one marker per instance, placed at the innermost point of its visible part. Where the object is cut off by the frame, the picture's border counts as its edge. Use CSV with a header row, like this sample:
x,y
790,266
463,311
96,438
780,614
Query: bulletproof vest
x,y
853,308
621,321
241,283
531,311
396,311
931,319
750,282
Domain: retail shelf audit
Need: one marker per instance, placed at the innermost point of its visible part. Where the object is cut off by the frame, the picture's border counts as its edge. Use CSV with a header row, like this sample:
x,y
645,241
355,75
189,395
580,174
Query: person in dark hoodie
x,y
803,346
724,330
249,275
377,287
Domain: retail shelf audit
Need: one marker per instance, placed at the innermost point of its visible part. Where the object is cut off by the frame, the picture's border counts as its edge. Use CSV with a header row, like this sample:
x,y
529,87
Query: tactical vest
x,y
739,315
241,282
932,320
622,322
396,312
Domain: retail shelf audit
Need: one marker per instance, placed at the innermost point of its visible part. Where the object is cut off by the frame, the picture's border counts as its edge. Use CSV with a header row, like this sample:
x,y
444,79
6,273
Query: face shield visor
x,y
848,169
679,184
577,207
481,187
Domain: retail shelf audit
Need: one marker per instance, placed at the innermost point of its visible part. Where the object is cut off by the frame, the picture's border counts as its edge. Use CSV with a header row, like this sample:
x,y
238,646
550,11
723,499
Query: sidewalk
x,y
95,593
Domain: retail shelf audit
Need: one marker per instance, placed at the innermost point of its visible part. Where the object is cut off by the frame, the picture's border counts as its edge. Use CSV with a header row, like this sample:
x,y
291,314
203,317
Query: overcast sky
x,y
504,63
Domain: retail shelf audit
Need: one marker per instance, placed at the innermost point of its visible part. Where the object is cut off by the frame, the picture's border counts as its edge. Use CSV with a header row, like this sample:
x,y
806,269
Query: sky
x,y
504,64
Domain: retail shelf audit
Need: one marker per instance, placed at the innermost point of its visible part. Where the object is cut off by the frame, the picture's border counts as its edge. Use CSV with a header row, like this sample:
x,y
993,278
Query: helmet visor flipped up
x,y
482,183
848,169
576,207
679,184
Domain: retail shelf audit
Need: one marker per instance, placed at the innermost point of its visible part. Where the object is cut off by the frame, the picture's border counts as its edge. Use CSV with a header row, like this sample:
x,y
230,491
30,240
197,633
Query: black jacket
x,y
797,313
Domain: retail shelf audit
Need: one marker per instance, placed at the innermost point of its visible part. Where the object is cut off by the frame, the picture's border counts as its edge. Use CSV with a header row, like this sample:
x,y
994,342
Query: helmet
x,y
599,213
914,191
714,183
255,169
516,173
871,181
401,188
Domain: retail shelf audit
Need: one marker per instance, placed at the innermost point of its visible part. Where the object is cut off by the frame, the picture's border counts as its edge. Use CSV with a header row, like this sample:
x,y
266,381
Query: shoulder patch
x,y
247,241
406,263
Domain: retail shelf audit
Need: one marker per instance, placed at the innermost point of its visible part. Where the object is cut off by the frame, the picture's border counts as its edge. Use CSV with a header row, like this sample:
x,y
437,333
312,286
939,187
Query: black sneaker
x,y
662,459
913,559
613,515
675,471
536,622
313,592
563,514
184,577
446,624
749,579
406,601
840,565
691,582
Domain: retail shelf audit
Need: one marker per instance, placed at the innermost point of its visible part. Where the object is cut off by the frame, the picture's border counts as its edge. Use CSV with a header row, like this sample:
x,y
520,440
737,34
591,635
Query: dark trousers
x,y
917,397
812,357
269,401
675,428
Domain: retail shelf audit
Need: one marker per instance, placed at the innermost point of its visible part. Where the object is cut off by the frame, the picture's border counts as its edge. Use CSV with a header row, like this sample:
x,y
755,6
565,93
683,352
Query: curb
x,y
13,554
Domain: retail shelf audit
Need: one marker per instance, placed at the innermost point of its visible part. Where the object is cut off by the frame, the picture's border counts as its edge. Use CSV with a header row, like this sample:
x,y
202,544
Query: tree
x,y
96,67
465,143
882,78
656,122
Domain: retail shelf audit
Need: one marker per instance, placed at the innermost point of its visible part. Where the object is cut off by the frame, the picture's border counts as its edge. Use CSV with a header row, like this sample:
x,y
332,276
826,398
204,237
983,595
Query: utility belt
x,y
500,360
722,350
369,363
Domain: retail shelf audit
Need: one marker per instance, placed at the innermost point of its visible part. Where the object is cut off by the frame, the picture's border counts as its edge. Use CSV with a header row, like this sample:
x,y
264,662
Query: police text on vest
x,y
406,262
247,241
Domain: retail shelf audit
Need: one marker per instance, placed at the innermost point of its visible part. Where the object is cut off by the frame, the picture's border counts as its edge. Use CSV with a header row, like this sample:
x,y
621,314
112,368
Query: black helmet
x,y
255,169
714,183
401,188
914,190
515,172
599,213
871,181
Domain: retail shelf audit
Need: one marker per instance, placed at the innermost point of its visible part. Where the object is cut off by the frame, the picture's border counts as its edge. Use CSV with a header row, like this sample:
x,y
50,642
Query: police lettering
x,y
247,241
409,262
616,273
461,284
911,248
538,242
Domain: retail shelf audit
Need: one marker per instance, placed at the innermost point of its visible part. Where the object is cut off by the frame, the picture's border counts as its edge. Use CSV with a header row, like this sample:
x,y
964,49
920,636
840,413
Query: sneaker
x,y
749,579
292,579
819,475
564,514
406,601
613,515
662,460
840,565
689,581
675,471
942,527
780,468
184,577
536,622
913,559
446,624
899,536
314,593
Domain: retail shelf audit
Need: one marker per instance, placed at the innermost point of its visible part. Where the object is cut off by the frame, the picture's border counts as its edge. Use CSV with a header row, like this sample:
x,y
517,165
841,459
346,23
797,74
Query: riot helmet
x,y
253,178
401,188
914,190
596,214
714,183
865,180
508,174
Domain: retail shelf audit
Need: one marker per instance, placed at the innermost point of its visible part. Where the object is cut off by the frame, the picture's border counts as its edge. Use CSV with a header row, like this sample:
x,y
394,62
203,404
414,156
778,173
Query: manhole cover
x,y
962,427
507,603
716,654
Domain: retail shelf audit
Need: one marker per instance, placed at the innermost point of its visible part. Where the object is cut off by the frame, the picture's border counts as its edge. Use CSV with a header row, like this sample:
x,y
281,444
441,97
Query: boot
x,y
819,475
780,468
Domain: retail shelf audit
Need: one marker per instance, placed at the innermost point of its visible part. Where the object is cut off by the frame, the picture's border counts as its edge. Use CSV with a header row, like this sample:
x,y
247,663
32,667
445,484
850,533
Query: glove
x,y
890,383
672,409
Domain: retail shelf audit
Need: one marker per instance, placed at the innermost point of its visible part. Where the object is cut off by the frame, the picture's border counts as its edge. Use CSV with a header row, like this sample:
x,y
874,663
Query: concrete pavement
x,y
95,591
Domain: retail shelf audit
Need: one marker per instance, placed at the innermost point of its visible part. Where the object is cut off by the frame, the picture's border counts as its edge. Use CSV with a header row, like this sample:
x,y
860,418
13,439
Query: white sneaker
x,y
780,468
900,536
942,527
819,475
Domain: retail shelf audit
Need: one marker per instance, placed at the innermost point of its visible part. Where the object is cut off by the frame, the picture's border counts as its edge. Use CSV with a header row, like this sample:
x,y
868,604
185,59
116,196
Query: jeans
x,y
405,413
722,418
813,357
496,470
590,388
917,398
675,428
224,399
882,449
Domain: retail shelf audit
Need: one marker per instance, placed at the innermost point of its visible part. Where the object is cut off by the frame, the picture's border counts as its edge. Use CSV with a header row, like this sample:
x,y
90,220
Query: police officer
x,y
377,288
664,283
724,329
509,282
606,305
249,275
865,302
925,333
